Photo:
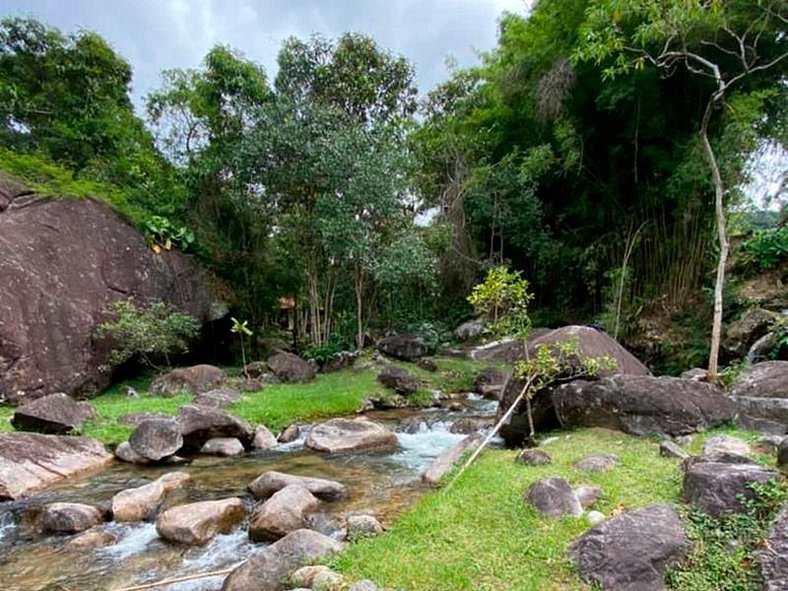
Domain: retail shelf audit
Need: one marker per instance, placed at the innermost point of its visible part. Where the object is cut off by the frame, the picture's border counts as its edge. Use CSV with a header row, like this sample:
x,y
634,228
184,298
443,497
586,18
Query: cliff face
x,y
62,261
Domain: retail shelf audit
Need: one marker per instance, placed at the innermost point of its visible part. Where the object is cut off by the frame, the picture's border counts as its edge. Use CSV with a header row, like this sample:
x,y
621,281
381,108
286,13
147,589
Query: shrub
x,y
151,332
766,249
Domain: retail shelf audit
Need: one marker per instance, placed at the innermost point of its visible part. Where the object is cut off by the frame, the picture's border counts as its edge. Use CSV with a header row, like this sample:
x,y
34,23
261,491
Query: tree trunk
x,y
359,289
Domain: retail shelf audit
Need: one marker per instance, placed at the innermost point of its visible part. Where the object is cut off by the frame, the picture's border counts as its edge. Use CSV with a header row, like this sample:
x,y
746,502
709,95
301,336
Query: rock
x,y
761,394
534,457
93,539
769,444
130,392
124,453
490,383
726,449
188,380
196,523
597,463
69,518
290,368
284,512
320,578
398,380
642,405
268,570
553,497
505,351
782,456
342,360
715,488
155,439
226,447
142,503
743,333
468,426
669,449
773,558
364,585
346,435
446,460
258,369
290,434
270,482
62,261
631,551
56,414
135,418
591,343
595,517
427,365
405,347
362,526
264,439
470,329
199,424
587,495
248,385
218,398
269,346
30,462
696,374
766,348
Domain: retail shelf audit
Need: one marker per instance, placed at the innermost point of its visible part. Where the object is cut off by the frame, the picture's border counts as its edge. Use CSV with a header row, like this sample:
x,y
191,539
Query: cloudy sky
x,y
158,34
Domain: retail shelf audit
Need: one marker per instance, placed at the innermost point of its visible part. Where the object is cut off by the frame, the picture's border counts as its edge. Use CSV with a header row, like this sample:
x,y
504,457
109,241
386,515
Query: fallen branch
x,y
161,583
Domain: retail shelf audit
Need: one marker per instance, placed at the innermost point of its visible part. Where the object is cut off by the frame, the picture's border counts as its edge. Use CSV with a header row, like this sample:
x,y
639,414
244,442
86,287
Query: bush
x,y
150,333
766,249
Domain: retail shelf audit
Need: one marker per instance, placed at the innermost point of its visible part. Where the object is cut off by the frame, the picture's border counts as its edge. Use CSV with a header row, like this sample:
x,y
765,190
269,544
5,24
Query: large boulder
x,y
197,379
268,570
30,462
156,439
405,347
284,512
351,435
773,558
270,482
631,551
590,343
142,503
69,518
196,523
642,405
718,488
761,397
199,424
62,261
290,368
398,380
56,414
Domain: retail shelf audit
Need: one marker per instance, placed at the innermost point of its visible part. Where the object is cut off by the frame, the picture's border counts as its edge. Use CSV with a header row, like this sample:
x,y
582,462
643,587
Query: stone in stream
x,y
264,439
227,447
69,518
284,512
29,462
156,439
124,453
270,482
631,551
143,502
196,523
717,488
290,434
268,570
93,539
444,462
553,498
351,435
199,424
56,414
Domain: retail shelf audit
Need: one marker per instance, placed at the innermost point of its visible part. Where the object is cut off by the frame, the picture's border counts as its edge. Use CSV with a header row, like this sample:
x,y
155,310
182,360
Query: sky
x,y
154,35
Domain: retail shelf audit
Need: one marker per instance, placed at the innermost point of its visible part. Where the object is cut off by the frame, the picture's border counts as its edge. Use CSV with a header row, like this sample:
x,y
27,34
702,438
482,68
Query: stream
x,y
380,484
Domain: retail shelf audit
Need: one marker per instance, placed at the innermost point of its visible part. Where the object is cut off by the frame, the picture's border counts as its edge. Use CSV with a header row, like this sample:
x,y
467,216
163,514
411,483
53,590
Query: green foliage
x,y
503,297
322,354
148,332
766,249
724,550
162,233
561,360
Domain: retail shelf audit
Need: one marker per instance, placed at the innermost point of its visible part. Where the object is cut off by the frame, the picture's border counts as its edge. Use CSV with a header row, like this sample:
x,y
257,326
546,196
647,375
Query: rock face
x,y
198,424
284,512
61,262
69,518
142,503
196,523
290,368
715,488
553,497
346,435
631,551
56,414
155,439
30,462
268,570
761,395
774,557
197,379
398,380
642,405
591,343
270,482
405,347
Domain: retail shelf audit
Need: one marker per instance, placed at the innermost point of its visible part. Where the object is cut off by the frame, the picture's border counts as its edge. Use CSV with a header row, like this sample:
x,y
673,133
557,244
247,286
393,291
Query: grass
x,y
480,535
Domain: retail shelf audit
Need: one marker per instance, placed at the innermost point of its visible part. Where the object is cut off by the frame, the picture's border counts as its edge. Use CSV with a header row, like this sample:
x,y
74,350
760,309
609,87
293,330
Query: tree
x,y
738,46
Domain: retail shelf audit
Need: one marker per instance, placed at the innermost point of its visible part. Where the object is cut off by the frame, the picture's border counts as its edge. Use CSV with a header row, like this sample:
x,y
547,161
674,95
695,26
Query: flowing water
x,y
380,484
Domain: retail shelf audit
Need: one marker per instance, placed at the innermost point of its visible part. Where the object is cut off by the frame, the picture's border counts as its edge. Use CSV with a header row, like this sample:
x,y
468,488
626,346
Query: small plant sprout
x,y
241,328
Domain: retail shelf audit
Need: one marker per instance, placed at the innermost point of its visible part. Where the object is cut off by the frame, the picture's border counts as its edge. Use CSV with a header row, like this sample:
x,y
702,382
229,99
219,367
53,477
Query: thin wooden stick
x,y
215,573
